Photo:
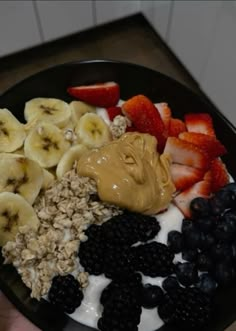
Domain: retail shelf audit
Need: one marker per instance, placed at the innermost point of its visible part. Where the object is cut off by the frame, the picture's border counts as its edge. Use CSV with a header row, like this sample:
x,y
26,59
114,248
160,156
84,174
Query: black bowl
x,y
133,79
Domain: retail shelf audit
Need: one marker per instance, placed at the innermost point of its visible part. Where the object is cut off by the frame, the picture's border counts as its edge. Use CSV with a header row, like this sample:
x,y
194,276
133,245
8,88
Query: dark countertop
x,y
131,39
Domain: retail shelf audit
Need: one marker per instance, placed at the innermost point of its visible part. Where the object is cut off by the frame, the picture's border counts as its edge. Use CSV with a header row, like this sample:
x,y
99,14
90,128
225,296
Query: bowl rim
x,y
6,289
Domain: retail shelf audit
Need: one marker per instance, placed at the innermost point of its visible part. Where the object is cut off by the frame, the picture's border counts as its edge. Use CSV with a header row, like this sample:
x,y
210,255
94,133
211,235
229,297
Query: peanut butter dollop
x,y
130,173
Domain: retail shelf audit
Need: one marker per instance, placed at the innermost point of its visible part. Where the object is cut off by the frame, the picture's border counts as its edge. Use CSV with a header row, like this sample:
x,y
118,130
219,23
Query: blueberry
x,y
226,227
204,262
233,249
151,296
224,273
187,225
192,238
175,241
170,284
227,198
232,189
199,207
205,224
189,255
221,252
207,284
207,240
186,273
217,206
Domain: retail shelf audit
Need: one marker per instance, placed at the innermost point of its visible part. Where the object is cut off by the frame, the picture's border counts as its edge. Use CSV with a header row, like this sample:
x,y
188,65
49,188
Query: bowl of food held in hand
x,y
117,201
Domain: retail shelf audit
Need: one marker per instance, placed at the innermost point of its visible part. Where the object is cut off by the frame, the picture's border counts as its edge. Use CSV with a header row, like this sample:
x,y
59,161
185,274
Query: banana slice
x,y
67,161
12,134
51,110
19,151
20,175
48,179
79,108
15,211
46,144
92,131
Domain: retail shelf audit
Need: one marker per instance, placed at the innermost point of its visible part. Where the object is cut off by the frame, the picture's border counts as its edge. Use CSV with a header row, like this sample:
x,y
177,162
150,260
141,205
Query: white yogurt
x,y
90,309
103,114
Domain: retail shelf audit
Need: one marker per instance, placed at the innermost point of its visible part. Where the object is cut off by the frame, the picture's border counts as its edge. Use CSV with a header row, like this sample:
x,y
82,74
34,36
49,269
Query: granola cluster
x,y
118,126
65,210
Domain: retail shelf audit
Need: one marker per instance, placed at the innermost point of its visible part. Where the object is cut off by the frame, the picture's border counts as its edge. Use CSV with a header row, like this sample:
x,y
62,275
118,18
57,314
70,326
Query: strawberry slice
x,y
100,95
165,113
182,200
186,153
145,118
176,126
184,176
209,144
220,176
113,112
199,122
208,176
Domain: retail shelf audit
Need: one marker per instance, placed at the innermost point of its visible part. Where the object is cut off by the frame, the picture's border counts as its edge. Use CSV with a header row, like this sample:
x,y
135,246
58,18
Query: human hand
x,y
11,319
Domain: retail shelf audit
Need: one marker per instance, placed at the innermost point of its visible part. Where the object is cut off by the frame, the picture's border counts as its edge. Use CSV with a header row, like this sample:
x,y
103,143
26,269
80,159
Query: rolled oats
x,y
65,210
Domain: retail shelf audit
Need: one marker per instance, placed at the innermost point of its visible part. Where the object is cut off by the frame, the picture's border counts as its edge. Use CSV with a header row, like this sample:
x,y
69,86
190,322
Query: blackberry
x,y
93,232
175,241
187,308
65,293
118,261
91,255
122,310
154,259
132,281
129,228
199,207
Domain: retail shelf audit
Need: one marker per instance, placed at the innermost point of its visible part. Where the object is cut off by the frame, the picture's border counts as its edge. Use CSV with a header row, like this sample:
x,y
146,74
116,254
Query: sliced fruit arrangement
x,y
145,118
51,110
78,109
200,123
92,131
113,112
183,152
212,146
68,159
12,133
20,175
46,144
100,95
15,211
191,143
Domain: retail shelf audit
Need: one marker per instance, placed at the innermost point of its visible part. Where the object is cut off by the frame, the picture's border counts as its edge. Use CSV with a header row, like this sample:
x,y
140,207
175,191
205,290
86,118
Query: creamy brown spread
x,y
130,173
